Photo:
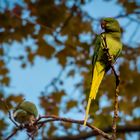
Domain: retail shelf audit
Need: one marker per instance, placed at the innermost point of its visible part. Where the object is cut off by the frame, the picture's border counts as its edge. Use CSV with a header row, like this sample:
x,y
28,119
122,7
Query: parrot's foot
x,y
105,49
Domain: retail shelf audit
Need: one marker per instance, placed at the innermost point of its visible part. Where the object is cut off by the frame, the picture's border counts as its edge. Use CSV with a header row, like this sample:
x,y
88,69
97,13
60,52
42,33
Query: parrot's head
x,y
26,112
110,25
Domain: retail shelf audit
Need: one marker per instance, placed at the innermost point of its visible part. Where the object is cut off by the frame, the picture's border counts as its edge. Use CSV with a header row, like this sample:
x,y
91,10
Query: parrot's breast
x,y
114,45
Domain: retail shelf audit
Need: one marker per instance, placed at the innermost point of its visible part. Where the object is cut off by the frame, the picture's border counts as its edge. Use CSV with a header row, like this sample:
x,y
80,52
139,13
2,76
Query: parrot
x,y
25,113
110,38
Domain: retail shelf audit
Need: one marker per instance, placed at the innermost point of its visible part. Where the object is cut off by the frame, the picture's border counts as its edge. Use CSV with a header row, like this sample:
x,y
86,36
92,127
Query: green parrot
x,y
110,38
25,113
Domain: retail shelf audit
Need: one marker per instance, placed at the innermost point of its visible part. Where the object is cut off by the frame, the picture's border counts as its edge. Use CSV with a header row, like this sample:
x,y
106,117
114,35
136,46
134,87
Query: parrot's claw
x,y
110,58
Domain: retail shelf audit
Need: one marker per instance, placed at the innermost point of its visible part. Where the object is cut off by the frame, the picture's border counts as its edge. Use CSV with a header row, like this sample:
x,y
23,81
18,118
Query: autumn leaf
x,y
45,50
71,104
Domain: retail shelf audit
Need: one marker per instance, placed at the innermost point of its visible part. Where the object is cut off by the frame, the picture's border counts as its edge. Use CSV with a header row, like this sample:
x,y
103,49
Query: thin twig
x,y
9,113
12,134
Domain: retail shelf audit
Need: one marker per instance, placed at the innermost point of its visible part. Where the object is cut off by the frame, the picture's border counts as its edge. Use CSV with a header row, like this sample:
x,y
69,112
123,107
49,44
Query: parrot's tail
x,y
96,81
87,111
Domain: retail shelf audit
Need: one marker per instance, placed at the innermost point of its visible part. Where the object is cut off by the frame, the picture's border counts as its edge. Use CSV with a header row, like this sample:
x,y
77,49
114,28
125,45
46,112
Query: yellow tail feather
x,y
96,81
87,111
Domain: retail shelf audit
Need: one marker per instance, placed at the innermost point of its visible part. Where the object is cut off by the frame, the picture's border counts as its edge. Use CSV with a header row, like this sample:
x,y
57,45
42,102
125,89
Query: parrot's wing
x,y
98,43
96,50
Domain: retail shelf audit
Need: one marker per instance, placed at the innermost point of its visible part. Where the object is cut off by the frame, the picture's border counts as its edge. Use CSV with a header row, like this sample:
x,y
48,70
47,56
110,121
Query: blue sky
x,y
33,79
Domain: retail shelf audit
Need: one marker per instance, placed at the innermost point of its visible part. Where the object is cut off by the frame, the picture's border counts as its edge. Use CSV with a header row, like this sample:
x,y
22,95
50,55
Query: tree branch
x,y
32,129
115,118
114,124
83,136
56,118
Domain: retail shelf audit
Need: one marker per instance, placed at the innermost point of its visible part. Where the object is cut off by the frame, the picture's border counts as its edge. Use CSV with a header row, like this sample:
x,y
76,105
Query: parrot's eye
x,y
103,24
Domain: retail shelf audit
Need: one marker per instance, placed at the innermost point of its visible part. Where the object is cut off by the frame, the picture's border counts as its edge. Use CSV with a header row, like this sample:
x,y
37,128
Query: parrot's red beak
x,y
103,24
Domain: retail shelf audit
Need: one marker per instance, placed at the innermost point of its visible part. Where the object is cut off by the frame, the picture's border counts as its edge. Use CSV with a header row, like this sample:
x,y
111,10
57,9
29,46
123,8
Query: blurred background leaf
x,y
63,33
